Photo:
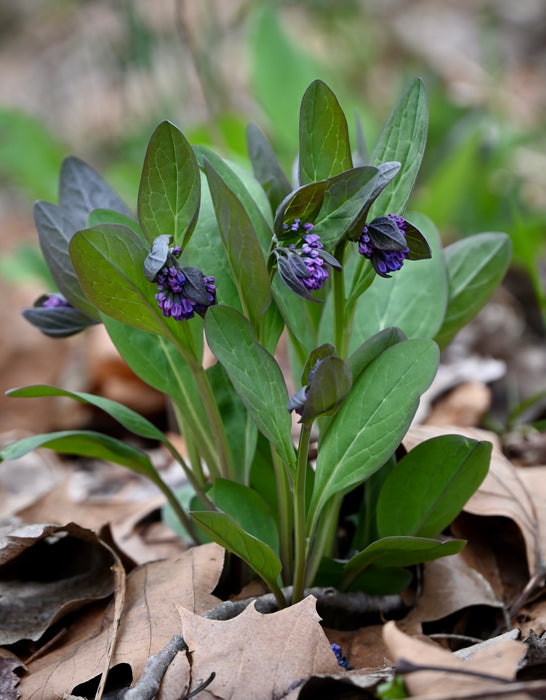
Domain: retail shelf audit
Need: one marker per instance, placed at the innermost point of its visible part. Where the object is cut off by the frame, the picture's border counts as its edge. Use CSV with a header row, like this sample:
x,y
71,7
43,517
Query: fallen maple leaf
x,y
256,656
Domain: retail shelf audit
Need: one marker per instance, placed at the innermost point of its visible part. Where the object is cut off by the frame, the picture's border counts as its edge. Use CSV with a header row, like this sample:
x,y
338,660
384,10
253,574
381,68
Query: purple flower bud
x,y
389,255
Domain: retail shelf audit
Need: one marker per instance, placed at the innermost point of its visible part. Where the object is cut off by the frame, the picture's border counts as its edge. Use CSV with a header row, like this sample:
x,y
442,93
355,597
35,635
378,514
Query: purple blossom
x,y
52,301
318,272
176,298
383,259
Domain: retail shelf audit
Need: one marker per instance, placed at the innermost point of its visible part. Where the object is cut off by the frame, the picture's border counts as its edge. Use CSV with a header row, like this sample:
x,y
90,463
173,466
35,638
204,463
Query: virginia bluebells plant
x,y
362,372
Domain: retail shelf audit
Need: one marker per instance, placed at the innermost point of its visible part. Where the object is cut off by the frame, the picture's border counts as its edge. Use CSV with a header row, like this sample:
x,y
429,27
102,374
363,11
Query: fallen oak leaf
x,y
449,585
255,655
9,680
428,667
148,621
47,571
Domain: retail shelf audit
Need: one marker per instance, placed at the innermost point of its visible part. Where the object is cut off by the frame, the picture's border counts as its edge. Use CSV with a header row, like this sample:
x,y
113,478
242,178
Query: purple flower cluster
x,y
295,226
318,272
384,261
172,298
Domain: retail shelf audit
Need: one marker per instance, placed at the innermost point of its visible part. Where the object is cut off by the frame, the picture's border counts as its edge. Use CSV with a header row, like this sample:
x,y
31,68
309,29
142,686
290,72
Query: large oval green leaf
x,y
374,418
170,186
256,376
324,135
403,139
258,555
451,467
475,267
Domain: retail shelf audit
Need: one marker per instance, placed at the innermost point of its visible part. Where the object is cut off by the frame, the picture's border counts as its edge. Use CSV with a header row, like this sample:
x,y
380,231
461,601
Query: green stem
x,y
286,522
180,512
300,558
325,537
338,291
189,353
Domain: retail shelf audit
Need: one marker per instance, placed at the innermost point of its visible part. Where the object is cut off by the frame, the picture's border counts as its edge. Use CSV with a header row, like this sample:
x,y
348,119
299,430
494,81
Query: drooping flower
x,y
303,266
182,291
383,242
55,316
341,660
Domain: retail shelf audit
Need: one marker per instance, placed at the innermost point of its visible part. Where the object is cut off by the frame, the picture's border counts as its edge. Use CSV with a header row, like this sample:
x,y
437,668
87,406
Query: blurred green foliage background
x,y
93,78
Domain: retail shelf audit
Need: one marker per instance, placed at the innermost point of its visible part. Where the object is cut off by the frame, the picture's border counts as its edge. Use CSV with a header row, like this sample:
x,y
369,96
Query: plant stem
x,y
189,353
180,512
286,522
301,541
338,291
325,536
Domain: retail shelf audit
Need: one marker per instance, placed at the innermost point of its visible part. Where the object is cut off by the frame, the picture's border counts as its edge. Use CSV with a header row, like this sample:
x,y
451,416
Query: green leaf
x,y
241,429
414,299
451,466
228,533
242,247
345,204
108,260
266,167
82,189
373,347
475,267
55,229
128,418
324,136
85,443
109,216
169,192
374,418
394,552
158,363
247,190
403,139
304,203
255,375
330,385
247,508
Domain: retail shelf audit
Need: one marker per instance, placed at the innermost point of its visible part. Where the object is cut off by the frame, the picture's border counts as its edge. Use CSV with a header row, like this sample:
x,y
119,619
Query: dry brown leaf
x,y
502,493
148,621
9,680
255,655
465,405
496,659
449,584
24,481
128,518
46,572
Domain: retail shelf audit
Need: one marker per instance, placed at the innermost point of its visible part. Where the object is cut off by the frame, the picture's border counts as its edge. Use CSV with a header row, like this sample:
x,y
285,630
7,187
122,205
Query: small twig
x,y
329,602
147,687
403,666
512,689
199,688
457,637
